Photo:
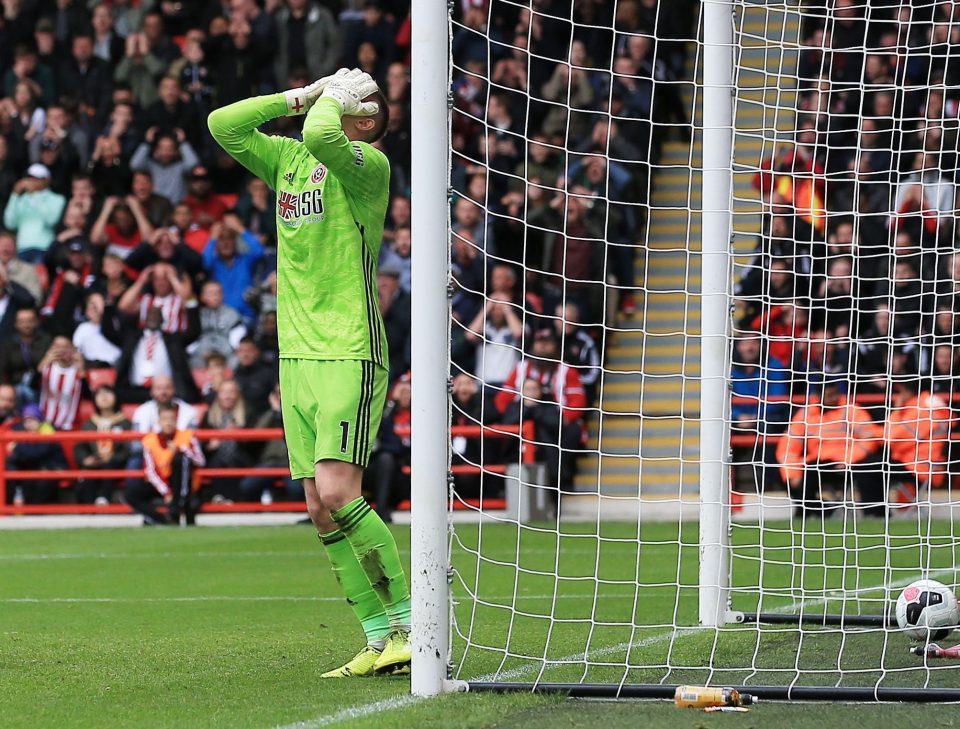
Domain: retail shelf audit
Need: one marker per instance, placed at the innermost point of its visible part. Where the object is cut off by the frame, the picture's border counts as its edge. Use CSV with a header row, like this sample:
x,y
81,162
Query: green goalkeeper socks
x,y
376,552
355,585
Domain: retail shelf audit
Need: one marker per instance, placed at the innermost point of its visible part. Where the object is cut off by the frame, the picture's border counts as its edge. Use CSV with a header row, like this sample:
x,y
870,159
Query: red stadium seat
x,y
101,376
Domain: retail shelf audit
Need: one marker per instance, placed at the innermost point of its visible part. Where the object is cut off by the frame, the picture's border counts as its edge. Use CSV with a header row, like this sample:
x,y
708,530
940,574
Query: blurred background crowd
x,y
137,260
850,302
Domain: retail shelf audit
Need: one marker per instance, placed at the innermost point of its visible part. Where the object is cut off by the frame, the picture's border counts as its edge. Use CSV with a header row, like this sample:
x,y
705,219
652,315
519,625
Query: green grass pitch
x,y
230,627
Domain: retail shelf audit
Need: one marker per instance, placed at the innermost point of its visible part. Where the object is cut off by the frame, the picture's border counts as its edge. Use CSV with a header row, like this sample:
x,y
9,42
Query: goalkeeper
x,y
332,194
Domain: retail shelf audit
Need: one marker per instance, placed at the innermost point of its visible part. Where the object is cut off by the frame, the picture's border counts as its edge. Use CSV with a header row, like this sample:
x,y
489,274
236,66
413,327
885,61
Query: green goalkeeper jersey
x,y
332,197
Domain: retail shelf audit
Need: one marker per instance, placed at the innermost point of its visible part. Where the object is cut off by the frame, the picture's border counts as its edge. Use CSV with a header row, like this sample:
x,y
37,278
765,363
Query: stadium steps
x,y
644,437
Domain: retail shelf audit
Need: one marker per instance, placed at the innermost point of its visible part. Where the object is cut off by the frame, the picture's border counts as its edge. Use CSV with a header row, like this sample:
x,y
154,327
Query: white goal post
x,y
685,332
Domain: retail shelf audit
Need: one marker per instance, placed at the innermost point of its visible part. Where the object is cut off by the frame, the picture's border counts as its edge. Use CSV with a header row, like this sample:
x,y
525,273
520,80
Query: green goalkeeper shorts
x,y
331,410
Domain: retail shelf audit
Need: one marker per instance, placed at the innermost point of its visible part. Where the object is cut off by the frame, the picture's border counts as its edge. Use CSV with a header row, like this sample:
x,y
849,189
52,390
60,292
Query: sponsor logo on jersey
x,y
318,174
305,207
357,155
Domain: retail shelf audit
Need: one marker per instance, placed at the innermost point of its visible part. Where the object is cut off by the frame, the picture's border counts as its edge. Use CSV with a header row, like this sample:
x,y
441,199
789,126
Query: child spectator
x,y
105,453
168,460
42,456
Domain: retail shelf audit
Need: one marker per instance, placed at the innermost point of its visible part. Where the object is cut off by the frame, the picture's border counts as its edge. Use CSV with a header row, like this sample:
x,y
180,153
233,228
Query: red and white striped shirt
x,y
172,308
60,394
562,383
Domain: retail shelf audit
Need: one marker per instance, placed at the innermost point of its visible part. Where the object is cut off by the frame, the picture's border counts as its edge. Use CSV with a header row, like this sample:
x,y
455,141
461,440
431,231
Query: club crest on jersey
x,y
288,176
318,174
305,207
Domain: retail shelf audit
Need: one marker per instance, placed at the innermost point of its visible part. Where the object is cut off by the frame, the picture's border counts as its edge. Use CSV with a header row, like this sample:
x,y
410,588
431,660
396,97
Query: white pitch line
x,y
541,668
355,712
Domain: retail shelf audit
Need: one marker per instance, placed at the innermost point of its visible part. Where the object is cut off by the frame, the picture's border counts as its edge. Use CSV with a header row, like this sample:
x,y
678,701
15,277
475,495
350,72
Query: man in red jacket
x,y
560,384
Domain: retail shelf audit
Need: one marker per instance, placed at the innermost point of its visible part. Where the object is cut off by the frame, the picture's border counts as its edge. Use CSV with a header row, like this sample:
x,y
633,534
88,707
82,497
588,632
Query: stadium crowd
x,y
849,305
136,258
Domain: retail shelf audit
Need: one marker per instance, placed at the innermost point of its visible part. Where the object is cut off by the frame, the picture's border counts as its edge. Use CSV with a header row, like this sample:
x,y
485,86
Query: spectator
x,y
18,271
23,352
205,207
256,208
113,281
558,383
9,413
121,226
307,38
61,382
234,269
214,375
105,453
221,327
579,348
397,255
86,76
140,69
167,291
166,247
162,392
760,381
541,426
498,333
395,308
107,43
384,476
88,339
270,454
469,409
171,113
38,456
157,209
831,443
918,436
228,412
168,158
13,298
169,456
255,377
63,307
152,352
34,210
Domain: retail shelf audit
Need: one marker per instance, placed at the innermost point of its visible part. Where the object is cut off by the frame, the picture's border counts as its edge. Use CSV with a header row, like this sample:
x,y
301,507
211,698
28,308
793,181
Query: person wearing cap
x,y
63,307
43,456
205,207
828,450
34,210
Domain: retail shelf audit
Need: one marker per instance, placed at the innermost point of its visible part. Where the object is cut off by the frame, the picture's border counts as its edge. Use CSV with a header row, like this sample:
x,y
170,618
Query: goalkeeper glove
x,y
300,100
350,90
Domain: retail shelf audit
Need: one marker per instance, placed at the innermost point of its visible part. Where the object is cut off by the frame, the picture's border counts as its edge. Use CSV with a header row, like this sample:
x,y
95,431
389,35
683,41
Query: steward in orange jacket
x,y
827,440
168,457
918,434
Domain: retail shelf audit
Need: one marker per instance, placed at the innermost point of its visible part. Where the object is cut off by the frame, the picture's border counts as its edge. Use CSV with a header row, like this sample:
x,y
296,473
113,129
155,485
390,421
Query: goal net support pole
x,y
715,307
430,348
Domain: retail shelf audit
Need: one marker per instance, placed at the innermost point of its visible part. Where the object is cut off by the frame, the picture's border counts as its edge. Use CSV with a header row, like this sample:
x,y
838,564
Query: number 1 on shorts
x,y
345,435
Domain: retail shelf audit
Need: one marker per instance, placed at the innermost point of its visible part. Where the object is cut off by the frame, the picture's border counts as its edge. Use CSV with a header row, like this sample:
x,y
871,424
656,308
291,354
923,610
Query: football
x,y
927,610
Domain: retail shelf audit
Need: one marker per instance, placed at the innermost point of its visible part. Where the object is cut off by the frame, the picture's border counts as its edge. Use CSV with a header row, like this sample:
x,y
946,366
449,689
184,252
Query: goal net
x,y
703,344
